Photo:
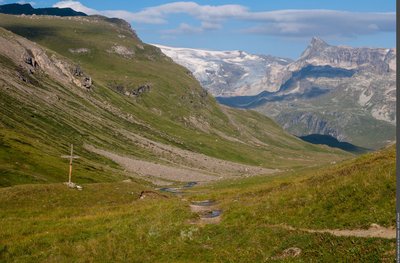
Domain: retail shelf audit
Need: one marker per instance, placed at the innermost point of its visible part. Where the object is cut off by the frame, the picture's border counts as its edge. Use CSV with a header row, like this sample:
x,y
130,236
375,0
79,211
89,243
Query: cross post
x,y
70,157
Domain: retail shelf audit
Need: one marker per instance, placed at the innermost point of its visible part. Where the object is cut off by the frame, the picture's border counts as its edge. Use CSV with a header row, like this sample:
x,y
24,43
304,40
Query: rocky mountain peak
x,y
315,47
317,42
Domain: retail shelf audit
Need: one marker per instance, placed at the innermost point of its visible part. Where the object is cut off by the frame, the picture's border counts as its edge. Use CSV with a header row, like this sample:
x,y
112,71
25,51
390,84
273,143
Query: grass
x,y
107,222
352,194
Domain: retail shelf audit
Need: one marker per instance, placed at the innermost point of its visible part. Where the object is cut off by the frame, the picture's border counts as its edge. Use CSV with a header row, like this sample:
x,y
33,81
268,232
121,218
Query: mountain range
x,y
27,9
344,92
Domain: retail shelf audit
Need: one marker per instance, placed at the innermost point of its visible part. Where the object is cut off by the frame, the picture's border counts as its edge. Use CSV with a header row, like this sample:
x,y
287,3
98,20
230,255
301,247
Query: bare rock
x,y
124,89
140,90
87,82
73,186
77,71
151,194
79,50
34,59
291,252
122,51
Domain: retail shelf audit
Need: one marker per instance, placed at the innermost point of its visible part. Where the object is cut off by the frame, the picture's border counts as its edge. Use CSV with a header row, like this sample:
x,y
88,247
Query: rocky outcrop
x,y
79,50
140,90
122,51
131,92
86,81
34,60
120,23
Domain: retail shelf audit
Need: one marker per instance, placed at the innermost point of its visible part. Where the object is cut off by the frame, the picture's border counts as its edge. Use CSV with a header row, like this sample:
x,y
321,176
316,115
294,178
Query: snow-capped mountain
x,y
230,73
345,92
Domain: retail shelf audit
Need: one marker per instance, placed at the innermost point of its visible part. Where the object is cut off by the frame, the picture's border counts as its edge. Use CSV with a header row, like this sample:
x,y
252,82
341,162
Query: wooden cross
x,y
71,157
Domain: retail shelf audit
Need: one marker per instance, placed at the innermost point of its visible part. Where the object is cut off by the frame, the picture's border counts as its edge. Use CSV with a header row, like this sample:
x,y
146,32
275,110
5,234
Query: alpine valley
x,y
162,172
337,91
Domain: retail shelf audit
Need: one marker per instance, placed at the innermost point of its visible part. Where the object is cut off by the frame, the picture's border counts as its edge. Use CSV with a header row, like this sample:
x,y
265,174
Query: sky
x,y
272,27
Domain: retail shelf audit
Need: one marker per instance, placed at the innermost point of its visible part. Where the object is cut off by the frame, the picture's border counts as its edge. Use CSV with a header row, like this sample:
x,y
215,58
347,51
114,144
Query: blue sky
x,y
276,27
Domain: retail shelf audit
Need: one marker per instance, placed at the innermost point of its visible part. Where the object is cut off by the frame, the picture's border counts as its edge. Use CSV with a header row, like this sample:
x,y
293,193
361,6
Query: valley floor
x,y
282,217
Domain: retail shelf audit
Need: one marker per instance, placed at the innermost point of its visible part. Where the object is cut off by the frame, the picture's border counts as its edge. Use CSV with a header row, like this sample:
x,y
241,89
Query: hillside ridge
x,y
124,98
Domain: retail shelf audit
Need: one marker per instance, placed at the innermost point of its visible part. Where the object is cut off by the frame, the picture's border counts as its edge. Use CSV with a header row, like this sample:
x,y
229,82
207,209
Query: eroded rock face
x,y
30,60
86,81
311,123
33,60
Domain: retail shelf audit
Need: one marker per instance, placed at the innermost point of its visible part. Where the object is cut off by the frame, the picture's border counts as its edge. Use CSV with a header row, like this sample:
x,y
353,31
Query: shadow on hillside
x,y
33,33
333,142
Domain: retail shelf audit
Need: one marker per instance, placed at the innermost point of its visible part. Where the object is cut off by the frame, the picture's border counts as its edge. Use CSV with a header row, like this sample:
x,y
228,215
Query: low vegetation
x,y
109,222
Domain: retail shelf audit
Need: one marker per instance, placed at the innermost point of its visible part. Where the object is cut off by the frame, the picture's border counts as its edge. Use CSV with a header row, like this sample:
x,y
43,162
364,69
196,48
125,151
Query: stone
x,y
87,82
291,252
77,71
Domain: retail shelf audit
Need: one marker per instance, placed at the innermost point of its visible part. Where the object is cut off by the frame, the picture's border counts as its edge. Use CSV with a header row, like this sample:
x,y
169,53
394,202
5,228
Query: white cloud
x,y
183,29
159,14
320,22
77,6
292,23
24,2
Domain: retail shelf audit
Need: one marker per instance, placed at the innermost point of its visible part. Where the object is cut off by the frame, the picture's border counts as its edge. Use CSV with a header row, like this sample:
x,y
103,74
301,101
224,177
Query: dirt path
x,y
375,231
178,165
196,160
148,169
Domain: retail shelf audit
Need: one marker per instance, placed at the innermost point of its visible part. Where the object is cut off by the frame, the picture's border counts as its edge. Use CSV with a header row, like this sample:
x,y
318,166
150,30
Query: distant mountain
x,y
27,9
230,73
344,92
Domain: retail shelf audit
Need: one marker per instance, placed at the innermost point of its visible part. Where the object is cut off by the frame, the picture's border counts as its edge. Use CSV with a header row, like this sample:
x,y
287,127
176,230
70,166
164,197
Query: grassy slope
x,y
106,222
37,132
352,194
